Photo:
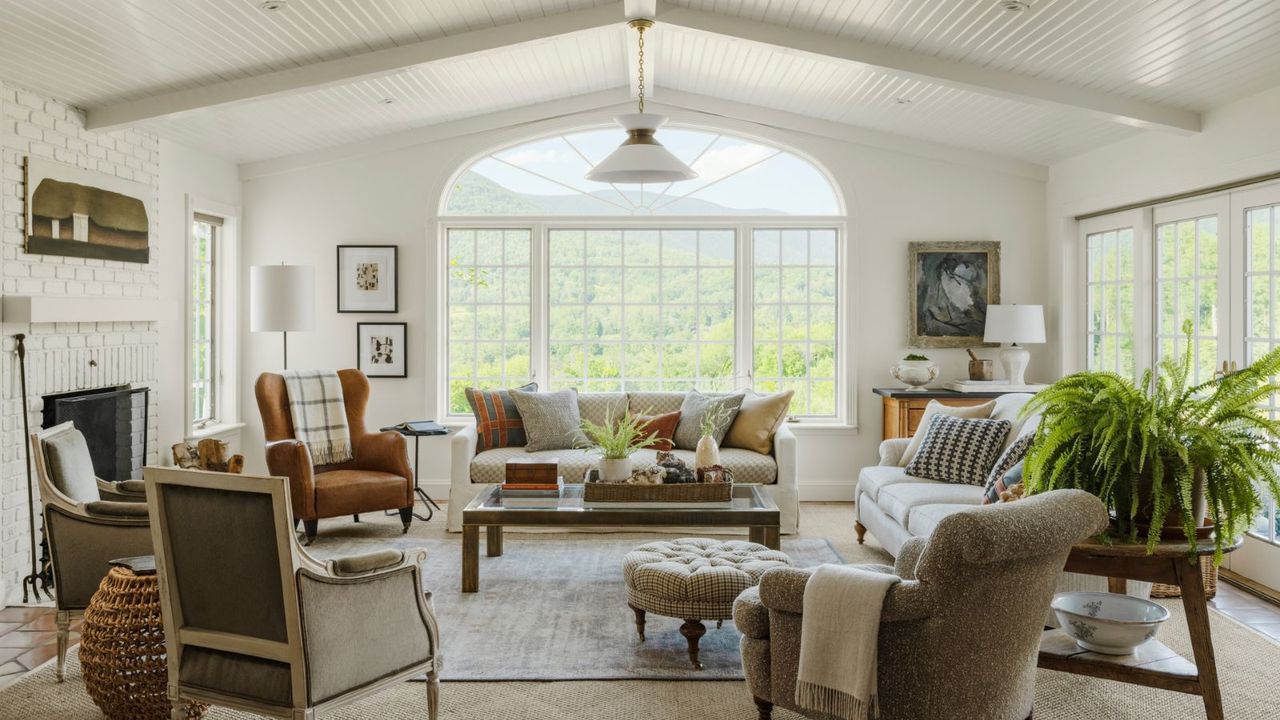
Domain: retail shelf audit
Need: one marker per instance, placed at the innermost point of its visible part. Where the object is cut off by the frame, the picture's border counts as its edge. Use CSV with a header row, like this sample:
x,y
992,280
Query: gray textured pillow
x,y
692,410
551,419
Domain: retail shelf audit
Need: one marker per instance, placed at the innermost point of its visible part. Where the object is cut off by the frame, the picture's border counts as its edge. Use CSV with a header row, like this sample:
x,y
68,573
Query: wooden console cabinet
x,y
903,408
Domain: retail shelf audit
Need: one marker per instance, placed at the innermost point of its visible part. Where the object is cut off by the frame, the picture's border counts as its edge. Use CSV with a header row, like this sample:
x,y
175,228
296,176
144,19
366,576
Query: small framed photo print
x,y
381,349
367,279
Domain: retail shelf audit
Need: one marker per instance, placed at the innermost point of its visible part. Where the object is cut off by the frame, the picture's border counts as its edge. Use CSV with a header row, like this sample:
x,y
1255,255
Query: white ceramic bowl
x,y
1108,623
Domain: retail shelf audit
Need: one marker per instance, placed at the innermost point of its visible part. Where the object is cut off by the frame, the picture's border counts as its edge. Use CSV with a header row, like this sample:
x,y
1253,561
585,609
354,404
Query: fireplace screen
x,y
114,423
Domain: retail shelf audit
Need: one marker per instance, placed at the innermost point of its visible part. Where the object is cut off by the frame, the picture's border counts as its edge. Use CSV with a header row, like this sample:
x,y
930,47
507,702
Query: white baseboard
x,y
816,491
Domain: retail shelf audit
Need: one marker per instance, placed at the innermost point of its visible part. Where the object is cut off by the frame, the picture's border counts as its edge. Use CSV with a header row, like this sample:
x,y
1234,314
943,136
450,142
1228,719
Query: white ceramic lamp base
x,y
1015,361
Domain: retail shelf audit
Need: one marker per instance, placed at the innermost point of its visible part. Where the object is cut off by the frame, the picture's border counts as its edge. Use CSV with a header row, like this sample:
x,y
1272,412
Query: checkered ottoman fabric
x,y
695,578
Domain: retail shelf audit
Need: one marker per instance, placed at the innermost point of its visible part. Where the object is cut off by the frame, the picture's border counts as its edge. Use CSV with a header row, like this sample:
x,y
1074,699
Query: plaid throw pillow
x,y
959,450
498,422
1012,456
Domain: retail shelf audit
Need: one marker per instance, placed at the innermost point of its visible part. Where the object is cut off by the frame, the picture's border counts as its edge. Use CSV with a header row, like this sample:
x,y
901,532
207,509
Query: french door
x,y
1212,262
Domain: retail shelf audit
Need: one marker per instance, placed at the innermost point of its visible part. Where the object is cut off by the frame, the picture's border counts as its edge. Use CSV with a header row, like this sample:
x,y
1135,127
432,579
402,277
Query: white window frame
x,y
846,401
226,364
1140,222
1213,205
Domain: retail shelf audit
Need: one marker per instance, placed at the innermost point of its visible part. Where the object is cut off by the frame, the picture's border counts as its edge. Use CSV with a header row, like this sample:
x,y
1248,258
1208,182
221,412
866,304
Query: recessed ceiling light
x,y
903,100
1015,5
272,5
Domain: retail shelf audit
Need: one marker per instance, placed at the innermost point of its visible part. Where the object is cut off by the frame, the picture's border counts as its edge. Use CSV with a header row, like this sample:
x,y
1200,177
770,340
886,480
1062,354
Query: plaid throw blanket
x,y
319,414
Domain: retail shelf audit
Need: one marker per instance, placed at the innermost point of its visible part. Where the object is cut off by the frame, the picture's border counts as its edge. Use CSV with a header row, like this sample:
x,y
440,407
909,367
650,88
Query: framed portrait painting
x,y
367,278
381,349
950,285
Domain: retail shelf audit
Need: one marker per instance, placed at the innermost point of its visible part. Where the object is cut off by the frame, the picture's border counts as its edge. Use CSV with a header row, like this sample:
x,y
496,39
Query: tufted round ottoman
x,y
694,579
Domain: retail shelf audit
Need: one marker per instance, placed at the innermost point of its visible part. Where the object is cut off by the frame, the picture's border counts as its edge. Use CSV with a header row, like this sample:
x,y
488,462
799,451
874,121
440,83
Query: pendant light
x,y
641,158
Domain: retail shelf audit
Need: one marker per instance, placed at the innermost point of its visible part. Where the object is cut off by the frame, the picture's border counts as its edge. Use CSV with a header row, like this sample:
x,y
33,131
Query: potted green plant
x,y
615,442
707,452
1162,454
915,371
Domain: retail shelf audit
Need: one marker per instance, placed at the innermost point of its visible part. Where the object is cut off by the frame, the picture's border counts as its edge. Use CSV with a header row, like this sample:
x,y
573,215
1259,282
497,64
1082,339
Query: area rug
x,y
554,607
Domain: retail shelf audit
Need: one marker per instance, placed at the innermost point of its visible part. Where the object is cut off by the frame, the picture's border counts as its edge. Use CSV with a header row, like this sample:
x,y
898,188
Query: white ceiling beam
x,y
1134,113
353,68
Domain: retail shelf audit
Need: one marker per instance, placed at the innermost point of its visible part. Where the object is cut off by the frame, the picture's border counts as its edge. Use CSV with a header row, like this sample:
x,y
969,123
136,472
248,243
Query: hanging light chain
x,y
641,24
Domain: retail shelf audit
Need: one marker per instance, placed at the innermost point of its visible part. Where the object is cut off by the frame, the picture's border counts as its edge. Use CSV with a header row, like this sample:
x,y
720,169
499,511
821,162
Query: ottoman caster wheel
x,y
693,630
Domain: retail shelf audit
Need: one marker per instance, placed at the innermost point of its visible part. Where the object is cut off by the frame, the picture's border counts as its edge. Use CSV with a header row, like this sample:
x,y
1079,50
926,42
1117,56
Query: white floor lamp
x,y
1015,324
282,298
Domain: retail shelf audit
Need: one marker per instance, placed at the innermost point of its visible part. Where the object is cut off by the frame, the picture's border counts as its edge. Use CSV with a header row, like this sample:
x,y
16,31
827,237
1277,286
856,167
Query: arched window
x,y
729,280
736,176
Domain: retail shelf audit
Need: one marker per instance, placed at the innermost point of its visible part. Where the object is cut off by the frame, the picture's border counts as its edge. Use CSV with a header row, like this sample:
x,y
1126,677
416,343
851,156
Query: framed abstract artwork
x,y
81,213
381,349
950,285
367,279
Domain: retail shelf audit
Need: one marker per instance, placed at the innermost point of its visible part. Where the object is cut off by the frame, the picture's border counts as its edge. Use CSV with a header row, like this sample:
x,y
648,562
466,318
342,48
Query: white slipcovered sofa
x,y
894,506
473,472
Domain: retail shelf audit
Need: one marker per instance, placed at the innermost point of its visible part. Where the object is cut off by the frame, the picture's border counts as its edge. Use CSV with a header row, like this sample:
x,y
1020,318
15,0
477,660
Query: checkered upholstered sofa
x,y
472,472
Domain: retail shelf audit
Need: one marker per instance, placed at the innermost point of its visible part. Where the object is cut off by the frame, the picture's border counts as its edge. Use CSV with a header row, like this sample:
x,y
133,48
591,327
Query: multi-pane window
x,y
1110,286
203,350
1262,326
489,309
794,283
1187,289
641,309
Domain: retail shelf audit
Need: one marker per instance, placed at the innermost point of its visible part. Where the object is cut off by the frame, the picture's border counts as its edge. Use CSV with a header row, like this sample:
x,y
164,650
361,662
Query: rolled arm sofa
x,y
472,472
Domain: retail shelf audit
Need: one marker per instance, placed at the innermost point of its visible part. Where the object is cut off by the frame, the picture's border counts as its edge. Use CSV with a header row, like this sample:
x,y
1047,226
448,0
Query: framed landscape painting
x,y
950,285
380,349
75,212
367,278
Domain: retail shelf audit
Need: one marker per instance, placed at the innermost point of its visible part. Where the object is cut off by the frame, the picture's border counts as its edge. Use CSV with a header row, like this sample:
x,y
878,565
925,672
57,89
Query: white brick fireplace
x,y
66,356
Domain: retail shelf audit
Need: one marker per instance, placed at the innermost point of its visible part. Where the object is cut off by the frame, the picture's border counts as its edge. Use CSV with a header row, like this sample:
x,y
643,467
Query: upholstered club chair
x,y
960,632
378,478
254,623
88,522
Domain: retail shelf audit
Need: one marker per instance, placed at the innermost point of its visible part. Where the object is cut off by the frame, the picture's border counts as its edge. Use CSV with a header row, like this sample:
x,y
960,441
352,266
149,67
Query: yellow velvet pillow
x,y
758,419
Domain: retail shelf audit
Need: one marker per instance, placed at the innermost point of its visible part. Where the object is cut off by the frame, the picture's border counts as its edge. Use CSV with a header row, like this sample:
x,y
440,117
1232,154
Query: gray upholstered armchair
x,y
87,522
252,622
961,630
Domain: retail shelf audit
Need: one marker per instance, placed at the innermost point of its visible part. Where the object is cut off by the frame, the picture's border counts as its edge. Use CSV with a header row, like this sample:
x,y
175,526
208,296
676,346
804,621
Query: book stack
x,y
532,478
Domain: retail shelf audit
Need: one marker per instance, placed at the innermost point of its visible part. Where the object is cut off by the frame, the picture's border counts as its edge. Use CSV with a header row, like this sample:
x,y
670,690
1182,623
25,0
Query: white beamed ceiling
x,y
1186,54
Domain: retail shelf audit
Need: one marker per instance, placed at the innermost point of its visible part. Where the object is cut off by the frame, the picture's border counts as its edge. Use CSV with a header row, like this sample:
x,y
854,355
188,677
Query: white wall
x,y
392,198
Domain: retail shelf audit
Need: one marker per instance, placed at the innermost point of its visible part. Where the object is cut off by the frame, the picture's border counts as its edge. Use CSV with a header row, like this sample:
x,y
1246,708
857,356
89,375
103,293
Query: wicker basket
x,y
122,652
1208,571
595,491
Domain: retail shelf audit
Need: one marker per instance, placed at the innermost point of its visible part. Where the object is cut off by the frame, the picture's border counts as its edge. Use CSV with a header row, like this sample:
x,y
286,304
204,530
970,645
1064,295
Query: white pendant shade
x,y
641,158
1014,324
281,298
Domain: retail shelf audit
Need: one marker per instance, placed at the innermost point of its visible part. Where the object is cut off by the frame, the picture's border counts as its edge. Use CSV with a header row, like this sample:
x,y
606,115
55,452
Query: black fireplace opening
x,y
113,421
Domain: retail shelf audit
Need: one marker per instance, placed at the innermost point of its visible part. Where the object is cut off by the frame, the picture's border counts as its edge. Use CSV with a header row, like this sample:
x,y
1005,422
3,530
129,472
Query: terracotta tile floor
x,y
28,637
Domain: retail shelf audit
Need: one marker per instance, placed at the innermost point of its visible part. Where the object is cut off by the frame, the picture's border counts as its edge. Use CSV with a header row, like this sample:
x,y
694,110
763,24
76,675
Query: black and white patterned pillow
x,y
959,450
1012,455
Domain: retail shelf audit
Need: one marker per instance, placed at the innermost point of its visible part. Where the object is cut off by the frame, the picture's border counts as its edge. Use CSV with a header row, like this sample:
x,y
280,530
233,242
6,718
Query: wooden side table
x,y
904,408
1153,664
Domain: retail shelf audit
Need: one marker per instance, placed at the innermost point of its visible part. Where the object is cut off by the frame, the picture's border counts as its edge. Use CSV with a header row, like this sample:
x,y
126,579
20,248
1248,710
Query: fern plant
x,y
617,441
1146,449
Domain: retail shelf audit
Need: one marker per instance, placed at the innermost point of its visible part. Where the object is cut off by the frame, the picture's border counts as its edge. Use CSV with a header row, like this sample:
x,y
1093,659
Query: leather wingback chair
x,y
379,477
254,623
960,630
87,521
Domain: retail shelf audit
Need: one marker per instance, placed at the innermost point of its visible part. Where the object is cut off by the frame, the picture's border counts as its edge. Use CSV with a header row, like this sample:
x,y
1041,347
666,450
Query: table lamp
x,y
1015,324
282,298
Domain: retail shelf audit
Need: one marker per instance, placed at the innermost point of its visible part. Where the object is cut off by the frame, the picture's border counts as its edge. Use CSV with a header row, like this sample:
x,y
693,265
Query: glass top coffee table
x,y
751,508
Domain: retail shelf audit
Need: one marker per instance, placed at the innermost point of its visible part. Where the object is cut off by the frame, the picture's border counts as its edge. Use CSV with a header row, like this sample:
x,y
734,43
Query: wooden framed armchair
x,y
87,521
254,623
960,630
379,477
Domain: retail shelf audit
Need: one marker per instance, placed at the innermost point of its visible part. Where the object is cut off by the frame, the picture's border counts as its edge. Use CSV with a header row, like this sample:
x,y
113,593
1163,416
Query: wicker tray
x,y
595,491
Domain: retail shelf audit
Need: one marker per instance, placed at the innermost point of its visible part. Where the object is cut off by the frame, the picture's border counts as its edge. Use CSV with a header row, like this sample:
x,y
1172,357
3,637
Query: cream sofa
x,y
895,507
473,472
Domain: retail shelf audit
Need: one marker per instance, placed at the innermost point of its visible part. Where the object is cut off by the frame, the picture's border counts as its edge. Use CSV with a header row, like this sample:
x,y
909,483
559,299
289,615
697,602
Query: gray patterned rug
x,y
554,607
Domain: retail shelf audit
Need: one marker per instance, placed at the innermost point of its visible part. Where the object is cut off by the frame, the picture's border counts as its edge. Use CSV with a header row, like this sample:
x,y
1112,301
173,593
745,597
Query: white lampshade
x,y
641,158
282,298
1014,324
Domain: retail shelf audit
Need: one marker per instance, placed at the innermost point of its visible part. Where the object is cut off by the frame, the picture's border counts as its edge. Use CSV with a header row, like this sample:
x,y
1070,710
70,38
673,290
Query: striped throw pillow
x,y
959,450
498,422
1011,457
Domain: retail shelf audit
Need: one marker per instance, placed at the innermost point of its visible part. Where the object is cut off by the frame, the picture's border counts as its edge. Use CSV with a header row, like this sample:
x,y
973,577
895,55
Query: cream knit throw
x,y
319,414
838,640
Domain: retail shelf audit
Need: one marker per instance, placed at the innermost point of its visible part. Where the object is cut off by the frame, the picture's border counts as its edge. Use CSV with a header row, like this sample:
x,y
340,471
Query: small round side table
x,y
122,651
